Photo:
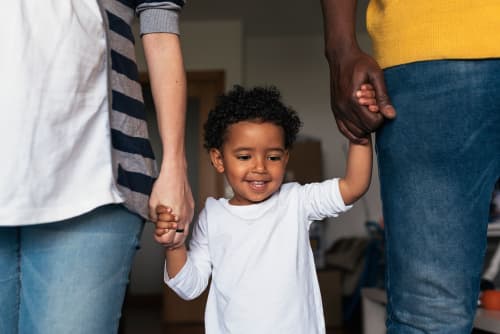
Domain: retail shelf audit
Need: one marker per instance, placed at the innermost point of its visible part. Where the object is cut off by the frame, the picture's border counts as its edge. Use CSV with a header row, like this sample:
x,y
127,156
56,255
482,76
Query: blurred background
x,y
259,42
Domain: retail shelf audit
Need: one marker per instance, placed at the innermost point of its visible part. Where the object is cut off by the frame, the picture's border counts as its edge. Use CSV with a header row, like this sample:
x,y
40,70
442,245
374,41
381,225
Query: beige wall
x,y
208,45
214,45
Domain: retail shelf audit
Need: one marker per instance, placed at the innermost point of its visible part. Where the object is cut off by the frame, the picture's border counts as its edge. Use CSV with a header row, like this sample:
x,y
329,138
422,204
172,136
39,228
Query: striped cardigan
x,y
134,166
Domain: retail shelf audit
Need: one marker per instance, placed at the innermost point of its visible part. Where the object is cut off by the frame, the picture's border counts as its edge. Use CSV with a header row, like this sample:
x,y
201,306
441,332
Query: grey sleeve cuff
x,y
159,20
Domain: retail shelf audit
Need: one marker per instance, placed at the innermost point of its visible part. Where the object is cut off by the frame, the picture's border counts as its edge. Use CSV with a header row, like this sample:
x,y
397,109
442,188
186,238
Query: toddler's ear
x,y
286,157
217,161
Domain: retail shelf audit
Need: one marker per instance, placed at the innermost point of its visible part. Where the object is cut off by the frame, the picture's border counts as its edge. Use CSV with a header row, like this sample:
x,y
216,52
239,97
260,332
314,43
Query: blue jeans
x,y
68,276
438,163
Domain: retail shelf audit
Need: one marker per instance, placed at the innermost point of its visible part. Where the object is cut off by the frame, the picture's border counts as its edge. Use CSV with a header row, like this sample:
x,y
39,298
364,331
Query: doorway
x,y
203,87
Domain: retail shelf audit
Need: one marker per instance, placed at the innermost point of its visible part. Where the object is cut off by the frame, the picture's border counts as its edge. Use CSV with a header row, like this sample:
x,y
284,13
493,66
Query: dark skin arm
x,y
350,67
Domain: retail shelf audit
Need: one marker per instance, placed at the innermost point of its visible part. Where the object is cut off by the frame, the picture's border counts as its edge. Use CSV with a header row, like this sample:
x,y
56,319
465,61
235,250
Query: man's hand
x,y
348,72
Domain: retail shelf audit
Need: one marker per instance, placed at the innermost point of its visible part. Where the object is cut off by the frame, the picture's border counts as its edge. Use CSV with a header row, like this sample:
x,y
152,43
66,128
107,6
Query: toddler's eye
x,y
274,158
243,157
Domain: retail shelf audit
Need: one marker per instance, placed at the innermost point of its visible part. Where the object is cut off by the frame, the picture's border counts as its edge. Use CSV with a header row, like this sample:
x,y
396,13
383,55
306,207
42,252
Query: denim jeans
x,y
438,163
68,276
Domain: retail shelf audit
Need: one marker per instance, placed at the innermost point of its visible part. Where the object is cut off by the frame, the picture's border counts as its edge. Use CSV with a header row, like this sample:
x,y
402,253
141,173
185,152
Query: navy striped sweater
x,y
134,166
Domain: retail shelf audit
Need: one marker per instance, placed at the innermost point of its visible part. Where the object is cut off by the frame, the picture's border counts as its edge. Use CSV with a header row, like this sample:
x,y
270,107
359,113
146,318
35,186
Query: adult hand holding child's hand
x,y
169,232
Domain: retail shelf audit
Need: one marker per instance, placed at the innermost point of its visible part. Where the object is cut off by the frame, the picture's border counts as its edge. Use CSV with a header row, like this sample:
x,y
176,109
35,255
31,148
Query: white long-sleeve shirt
x,y
260,259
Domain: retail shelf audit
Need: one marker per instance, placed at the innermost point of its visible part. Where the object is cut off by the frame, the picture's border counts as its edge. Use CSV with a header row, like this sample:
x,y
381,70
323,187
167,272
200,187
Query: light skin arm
x,y
168,85
175,257
358,172
350,67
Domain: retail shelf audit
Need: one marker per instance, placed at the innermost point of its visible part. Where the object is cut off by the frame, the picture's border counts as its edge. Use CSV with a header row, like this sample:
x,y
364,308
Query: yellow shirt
x,y
405,31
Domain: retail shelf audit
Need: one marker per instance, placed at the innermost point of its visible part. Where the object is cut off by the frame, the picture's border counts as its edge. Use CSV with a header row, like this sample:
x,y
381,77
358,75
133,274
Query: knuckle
x,y
383,98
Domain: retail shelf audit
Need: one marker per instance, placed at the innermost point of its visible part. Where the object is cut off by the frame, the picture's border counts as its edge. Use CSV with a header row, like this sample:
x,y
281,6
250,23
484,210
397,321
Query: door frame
x,y
206,86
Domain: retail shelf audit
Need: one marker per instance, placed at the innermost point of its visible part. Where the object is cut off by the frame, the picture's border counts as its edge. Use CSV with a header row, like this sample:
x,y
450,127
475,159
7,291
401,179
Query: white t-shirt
x,y
260,259
54,130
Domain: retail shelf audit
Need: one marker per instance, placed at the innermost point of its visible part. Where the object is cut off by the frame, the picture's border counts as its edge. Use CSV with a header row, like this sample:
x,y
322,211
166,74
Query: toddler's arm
x,y
359,160
358,172
167,223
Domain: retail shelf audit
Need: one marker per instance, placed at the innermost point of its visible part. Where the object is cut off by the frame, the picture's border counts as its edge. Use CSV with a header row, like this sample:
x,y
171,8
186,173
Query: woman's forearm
x,y
168,85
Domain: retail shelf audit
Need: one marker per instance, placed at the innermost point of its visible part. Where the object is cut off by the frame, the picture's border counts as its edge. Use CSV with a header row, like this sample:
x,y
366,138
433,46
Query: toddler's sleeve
x,y
322,200
193,278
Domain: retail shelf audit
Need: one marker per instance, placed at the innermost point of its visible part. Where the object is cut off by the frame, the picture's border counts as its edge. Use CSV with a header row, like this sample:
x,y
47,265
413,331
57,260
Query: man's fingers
x,y
385,106
383,100
350,135
369,120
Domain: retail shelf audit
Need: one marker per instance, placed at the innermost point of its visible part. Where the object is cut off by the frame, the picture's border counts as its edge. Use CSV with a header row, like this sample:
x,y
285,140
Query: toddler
x,y
255,246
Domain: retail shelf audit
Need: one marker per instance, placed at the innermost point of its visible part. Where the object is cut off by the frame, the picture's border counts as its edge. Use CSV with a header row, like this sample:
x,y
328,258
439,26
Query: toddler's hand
x,y
366,97
167,226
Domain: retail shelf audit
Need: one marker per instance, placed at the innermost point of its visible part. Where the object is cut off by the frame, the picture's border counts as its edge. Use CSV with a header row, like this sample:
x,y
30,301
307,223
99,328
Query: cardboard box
x,y
330,284
306,163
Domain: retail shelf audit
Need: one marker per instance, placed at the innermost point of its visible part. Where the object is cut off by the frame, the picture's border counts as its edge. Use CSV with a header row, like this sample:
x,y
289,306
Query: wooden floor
x,y
144,318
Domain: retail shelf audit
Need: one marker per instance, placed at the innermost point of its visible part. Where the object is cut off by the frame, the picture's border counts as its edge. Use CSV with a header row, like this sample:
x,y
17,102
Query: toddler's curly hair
x,y
261,104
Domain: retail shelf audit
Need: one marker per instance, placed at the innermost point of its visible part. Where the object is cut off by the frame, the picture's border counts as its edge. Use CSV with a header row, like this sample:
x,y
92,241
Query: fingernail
x,y
390,110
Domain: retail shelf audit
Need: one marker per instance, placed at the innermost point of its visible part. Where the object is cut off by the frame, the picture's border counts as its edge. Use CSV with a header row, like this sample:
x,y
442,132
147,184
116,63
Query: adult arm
x,y
168,85
350,67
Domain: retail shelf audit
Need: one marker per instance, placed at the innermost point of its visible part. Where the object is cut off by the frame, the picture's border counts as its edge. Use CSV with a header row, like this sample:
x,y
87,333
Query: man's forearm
x,y
339,19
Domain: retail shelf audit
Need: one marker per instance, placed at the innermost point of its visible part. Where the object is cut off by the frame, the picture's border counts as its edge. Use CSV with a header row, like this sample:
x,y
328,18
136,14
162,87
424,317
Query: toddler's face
x,y
254,159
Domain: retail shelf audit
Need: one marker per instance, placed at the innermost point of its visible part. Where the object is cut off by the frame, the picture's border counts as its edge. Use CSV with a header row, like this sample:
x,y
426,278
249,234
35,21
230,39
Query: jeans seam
x,y
18,292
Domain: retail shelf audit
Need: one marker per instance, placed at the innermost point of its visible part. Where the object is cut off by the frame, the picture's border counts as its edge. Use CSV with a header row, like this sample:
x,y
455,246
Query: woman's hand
x,y
172,190
168,85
